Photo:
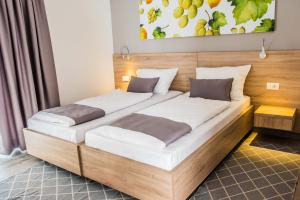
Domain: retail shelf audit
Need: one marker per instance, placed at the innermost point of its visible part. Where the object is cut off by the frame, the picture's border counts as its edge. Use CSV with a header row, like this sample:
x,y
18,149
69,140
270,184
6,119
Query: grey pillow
x,y
216,89
142,85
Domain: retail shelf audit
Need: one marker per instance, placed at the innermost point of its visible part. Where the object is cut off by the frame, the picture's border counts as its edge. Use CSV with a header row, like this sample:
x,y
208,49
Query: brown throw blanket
x,y
166,130
79,113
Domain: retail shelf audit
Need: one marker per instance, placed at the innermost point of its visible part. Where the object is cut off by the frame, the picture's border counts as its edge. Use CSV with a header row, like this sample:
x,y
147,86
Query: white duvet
x,y
110,102
192,111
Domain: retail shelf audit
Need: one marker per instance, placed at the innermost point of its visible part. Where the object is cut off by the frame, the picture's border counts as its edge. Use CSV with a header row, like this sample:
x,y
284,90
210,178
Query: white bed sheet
x,y
109,103
76,134
182,109
176,152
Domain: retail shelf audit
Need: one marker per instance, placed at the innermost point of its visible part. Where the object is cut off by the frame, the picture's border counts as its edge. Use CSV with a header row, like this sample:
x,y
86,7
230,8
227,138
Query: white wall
x,y
81,35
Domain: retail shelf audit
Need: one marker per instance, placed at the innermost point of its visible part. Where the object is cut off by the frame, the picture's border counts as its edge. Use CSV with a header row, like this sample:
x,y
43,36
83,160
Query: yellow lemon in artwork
x,y
186,4
180,2
198,3
183,21
201,32
200,24
209,33
143,33
175,36
193,10
216,32
178,12
142,11
213,3
165,3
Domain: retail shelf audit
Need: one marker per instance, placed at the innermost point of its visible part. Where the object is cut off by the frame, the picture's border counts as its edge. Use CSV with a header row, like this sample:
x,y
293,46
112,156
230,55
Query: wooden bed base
x,y
59,152
147,182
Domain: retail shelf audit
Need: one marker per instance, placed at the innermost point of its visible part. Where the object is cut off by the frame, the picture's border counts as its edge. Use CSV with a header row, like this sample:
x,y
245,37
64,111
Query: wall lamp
x,y
125,53
263,54
125,78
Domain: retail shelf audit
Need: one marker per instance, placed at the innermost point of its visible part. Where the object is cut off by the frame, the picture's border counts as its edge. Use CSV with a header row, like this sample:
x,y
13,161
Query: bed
x,y
175,153
176,172
59,145
171,173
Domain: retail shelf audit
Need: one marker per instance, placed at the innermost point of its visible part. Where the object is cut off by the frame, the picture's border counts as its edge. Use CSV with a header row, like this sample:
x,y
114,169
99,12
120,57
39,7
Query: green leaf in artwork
x,y
246,10
218,20
266,25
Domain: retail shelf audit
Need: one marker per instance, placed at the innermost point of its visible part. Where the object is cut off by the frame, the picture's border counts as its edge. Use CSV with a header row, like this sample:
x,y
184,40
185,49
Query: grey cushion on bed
x,y
142,85
216,89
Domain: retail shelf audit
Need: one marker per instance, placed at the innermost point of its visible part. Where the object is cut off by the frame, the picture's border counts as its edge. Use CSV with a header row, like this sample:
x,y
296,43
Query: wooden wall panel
x,y
279,66
186,62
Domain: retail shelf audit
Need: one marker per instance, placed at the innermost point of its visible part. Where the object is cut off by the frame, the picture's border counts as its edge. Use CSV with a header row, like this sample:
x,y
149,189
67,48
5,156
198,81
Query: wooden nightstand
x,y
274,117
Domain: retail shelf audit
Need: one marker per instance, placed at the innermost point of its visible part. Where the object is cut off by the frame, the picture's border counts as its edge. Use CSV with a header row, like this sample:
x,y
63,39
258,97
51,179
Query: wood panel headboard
x,y
280,66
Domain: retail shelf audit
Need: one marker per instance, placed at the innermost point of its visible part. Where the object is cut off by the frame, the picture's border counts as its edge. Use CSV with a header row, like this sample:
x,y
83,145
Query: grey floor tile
x,y
4,194
274,179
97,195
282,188
48,197
233,190
94,187
49,183
65,189
243,177
64,197
32,198
218,193
204,196
268,192
79,188
239,197
48,190
247,186
228,181
113,194
37,183
81,196
254,195
261,182
215,184
33,191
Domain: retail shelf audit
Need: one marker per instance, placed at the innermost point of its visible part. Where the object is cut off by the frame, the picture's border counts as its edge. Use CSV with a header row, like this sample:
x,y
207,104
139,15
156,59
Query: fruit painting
x,y
161,19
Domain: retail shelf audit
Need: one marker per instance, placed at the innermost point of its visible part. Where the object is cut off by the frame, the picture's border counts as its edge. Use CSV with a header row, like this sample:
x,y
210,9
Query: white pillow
x,y
166,77
239,75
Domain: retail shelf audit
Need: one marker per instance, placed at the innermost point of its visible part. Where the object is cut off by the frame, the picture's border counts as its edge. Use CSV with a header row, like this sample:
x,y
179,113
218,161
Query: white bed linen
x,y
76,133
110,102
184,109
175,153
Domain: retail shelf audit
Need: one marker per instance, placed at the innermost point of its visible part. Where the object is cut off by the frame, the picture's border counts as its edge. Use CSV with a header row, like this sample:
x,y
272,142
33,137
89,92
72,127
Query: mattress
x,y
176,152
76,134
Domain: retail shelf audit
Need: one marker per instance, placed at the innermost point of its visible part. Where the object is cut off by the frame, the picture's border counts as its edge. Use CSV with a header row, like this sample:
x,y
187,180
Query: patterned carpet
x,y
251,172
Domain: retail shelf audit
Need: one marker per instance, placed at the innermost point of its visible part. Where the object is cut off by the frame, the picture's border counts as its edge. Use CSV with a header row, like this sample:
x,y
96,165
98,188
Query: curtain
x,y
28,80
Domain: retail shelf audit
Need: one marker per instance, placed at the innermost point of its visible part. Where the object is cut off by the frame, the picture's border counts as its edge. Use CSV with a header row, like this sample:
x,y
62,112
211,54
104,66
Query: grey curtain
x,y
27,72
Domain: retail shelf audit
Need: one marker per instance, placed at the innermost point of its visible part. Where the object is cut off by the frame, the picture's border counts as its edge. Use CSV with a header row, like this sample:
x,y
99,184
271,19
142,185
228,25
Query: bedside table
x,y
281,118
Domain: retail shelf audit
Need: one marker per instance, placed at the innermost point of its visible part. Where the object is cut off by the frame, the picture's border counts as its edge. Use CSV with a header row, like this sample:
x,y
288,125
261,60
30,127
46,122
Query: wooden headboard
x,y
280,66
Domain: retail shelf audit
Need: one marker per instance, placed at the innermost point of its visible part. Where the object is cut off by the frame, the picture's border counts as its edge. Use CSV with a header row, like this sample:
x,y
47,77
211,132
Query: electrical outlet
x,y
273,86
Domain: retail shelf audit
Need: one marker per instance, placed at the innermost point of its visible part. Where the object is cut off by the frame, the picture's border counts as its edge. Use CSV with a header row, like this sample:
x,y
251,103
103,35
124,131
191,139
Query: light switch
x,y
273,86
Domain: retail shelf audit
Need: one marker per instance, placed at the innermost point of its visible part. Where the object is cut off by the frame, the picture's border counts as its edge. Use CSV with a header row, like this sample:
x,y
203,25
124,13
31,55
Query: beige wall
x,y
82,45
125,20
